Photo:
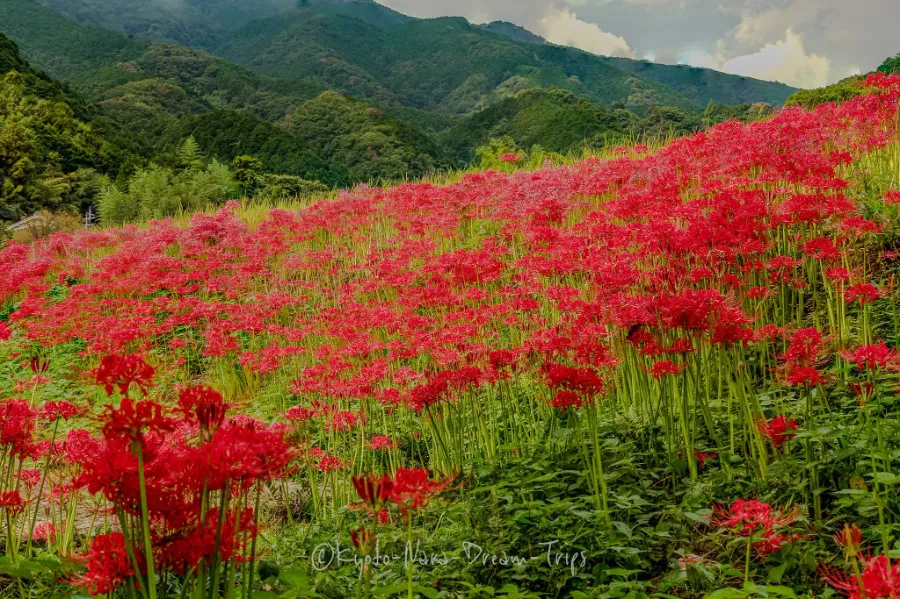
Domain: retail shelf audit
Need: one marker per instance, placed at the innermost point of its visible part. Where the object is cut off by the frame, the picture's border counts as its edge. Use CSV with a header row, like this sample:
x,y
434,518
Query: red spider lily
x,y
749,516
778,430
806,348
383,517
582,380
703,457
412,489
803,375
850,538
870,357
55,410
862,391
374,491
821,248
12,502
240,452
665,368
299,414
380,442
837,274
770,542
363,539
198,542
880,579
29,477
510,157
44,531
17,423
133,418
5,331
863,293
123,371
108,565
565,399
202,405
39,366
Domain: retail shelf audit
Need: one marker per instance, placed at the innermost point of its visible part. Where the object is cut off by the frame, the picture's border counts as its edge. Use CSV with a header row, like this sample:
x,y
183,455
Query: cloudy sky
x,y
804,43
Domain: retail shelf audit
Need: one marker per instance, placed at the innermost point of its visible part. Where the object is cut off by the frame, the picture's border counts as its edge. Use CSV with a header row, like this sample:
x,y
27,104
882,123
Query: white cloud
x,y
563,27
786,61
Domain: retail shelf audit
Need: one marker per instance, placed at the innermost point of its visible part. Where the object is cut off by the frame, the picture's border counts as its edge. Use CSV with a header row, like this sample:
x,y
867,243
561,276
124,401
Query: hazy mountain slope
x,y
698,85
193,22
517,33
446,64
702,85
60,47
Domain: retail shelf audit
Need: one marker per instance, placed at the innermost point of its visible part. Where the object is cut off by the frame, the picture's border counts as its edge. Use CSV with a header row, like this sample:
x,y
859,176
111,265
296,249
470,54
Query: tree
x,y
115,207
246,171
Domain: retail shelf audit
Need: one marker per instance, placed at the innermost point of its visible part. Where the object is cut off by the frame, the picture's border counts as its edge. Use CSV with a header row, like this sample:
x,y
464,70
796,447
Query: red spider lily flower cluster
x,y
872,357
122,371
873,577
109,566
758,520
804,354
879,579
151,464
409,489
778,429
665,368
702,457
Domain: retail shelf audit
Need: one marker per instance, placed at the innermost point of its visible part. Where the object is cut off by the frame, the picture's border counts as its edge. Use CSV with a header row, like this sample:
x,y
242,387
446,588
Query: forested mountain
x,y
366,50
451,66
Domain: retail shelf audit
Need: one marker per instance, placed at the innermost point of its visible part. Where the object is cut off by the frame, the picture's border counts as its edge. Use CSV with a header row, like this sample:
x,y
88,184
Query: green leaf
x,y
623,528
294,577
429,592
390,590
780,590
727,593
777,573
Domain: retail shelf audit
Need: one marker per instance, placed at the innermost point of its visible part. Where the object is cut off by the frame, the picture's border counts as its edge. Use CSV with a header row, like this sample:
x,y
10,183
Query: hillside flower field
x,y
666,373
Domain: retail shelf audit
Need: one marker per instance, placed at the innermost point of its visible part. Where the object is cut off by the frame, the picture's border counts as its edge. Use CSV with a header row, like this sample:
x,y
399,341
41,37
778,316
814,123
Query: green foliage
x,y
227,134
247,173
160,191
890,65
554,119
843,90
279,187
718,113
60,47
41,145
361,142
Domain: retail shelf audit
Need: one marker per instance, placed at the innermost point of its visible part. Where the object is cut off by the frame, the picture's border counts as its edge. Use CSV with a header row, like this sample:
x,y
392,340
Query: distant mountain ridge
x,y
344,45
